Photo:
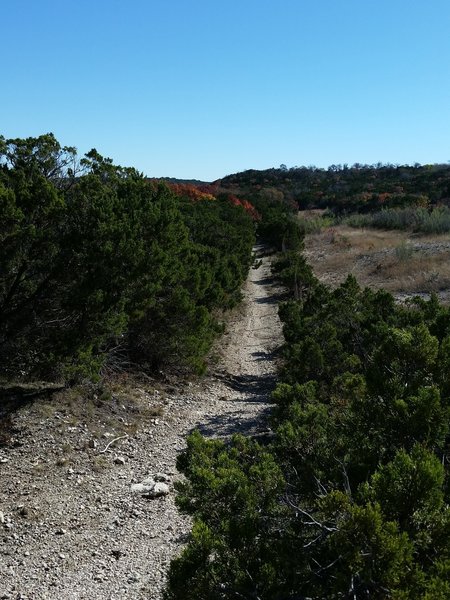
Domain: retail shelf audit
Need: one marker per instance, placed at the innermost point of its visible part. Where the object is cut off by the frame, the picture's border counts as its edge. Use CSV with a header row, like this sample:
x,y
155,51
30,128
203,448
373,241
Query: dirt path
x,y
70,525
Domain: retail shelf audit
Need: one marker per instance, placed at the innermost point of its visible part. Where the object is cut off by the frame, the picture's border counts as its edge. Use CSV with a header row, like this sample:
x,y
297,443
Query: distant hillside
x,y
341,188
182,181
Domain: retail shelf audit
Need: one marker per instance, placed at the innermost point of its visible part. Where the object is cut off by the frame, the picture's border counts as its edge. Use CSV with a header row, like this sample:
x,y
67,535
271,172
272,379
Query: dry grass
x,y
403,263
121,405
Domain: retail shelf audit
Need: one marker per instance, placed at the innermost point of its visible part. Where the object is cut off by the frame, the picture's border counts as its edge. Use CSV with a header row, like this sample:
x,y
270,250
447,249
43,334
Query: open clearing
x,y
403,263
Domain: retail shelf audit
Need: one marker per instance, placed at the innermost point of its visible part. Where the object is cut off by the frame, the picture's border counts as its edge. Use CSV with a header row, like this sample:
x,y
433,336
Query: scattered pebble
x,y
93,530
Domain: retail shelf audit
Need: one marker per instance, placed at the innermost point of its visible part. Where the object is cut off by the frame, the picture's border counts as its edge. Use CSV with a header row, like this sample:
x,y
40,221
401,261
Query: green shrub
x,y
103,263
359,453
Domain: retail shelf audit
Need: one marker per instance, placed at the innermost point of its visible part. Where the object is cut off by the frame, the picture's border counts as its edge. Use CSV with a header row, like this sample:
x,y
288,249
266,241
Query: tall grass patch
x,y
418,220
311,222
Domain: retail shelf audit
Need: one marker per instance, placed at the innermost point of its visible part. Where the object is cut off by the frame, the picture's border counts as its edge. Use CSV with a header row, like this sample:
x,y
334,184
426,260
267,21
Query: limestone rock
x,y
151,488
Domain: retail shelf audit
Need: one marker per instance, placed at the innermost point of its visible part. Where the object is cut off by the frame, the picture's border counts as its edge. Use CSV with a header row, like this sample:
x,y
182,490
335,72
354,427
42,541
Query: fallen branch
x,y
121,437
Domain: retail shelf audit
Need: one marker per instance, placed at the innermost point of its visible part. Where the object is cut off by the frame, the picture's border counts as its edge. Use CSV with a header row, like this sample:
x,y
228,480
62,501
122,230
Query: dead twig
x,y
312,520
121,437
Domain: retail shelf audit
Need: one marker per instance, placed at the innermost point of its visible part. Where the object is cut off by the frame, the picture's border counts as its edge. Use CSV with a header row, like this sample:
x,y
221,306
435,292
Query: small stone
x,y
133,578
61,531
149,481
92,444
119,460
142,488
160,489
161,477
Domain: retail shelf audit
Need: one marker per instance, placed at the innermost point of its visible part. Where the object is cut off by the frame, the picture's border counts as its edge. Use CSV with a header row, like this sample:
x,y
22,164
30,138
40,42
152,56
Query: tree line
x,y
345,189
102,269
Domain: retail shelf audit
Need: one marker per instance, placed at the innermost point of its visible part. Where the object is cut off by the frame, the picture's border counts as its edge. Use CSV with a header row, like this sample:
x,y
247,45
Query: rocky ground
x,y
87,505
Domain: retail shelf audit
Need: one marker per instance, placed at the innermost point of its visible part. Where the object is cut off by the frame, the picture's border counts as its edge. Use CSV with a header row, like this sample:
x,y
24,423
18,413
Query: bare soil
x,y
403,263
70,525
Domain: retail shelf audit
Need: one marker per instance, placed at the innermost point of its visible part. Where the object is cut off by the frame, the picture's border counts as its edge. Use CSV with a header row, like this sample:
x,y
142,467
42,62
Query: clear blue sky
x,y
204,88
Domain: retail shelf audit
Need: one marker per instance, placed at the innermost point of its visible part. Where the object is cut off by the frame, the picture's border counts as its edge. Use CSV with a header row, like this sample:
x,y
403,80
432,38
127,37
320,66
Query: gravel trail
x,y
71,525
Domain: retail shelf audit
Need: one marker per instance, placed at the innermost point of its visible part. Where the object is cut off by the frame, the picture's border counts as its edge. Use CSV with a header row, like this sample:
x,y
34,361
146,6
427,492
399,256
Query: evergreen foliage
x,y
358,466
345,189
100,266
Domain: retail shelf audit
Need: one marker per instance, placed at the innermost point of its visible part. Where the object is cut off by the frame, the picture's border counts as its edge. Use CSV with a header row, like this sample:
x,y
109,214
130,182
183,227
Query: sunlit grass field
x,y
402,262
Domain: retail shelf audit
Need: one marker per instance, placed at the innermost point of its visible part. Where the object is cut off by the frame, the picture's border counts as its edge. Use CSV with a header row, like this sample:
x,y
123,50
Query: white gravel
x,y
71,525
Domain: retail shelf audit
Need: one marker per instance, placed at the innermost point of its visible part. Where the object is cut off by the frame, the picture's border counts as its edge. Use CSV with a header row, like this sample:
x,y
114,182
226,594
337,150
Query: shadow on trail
x,y
255,387
237,422
276,296
250,389
267,300
263,356
262,250
265,281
